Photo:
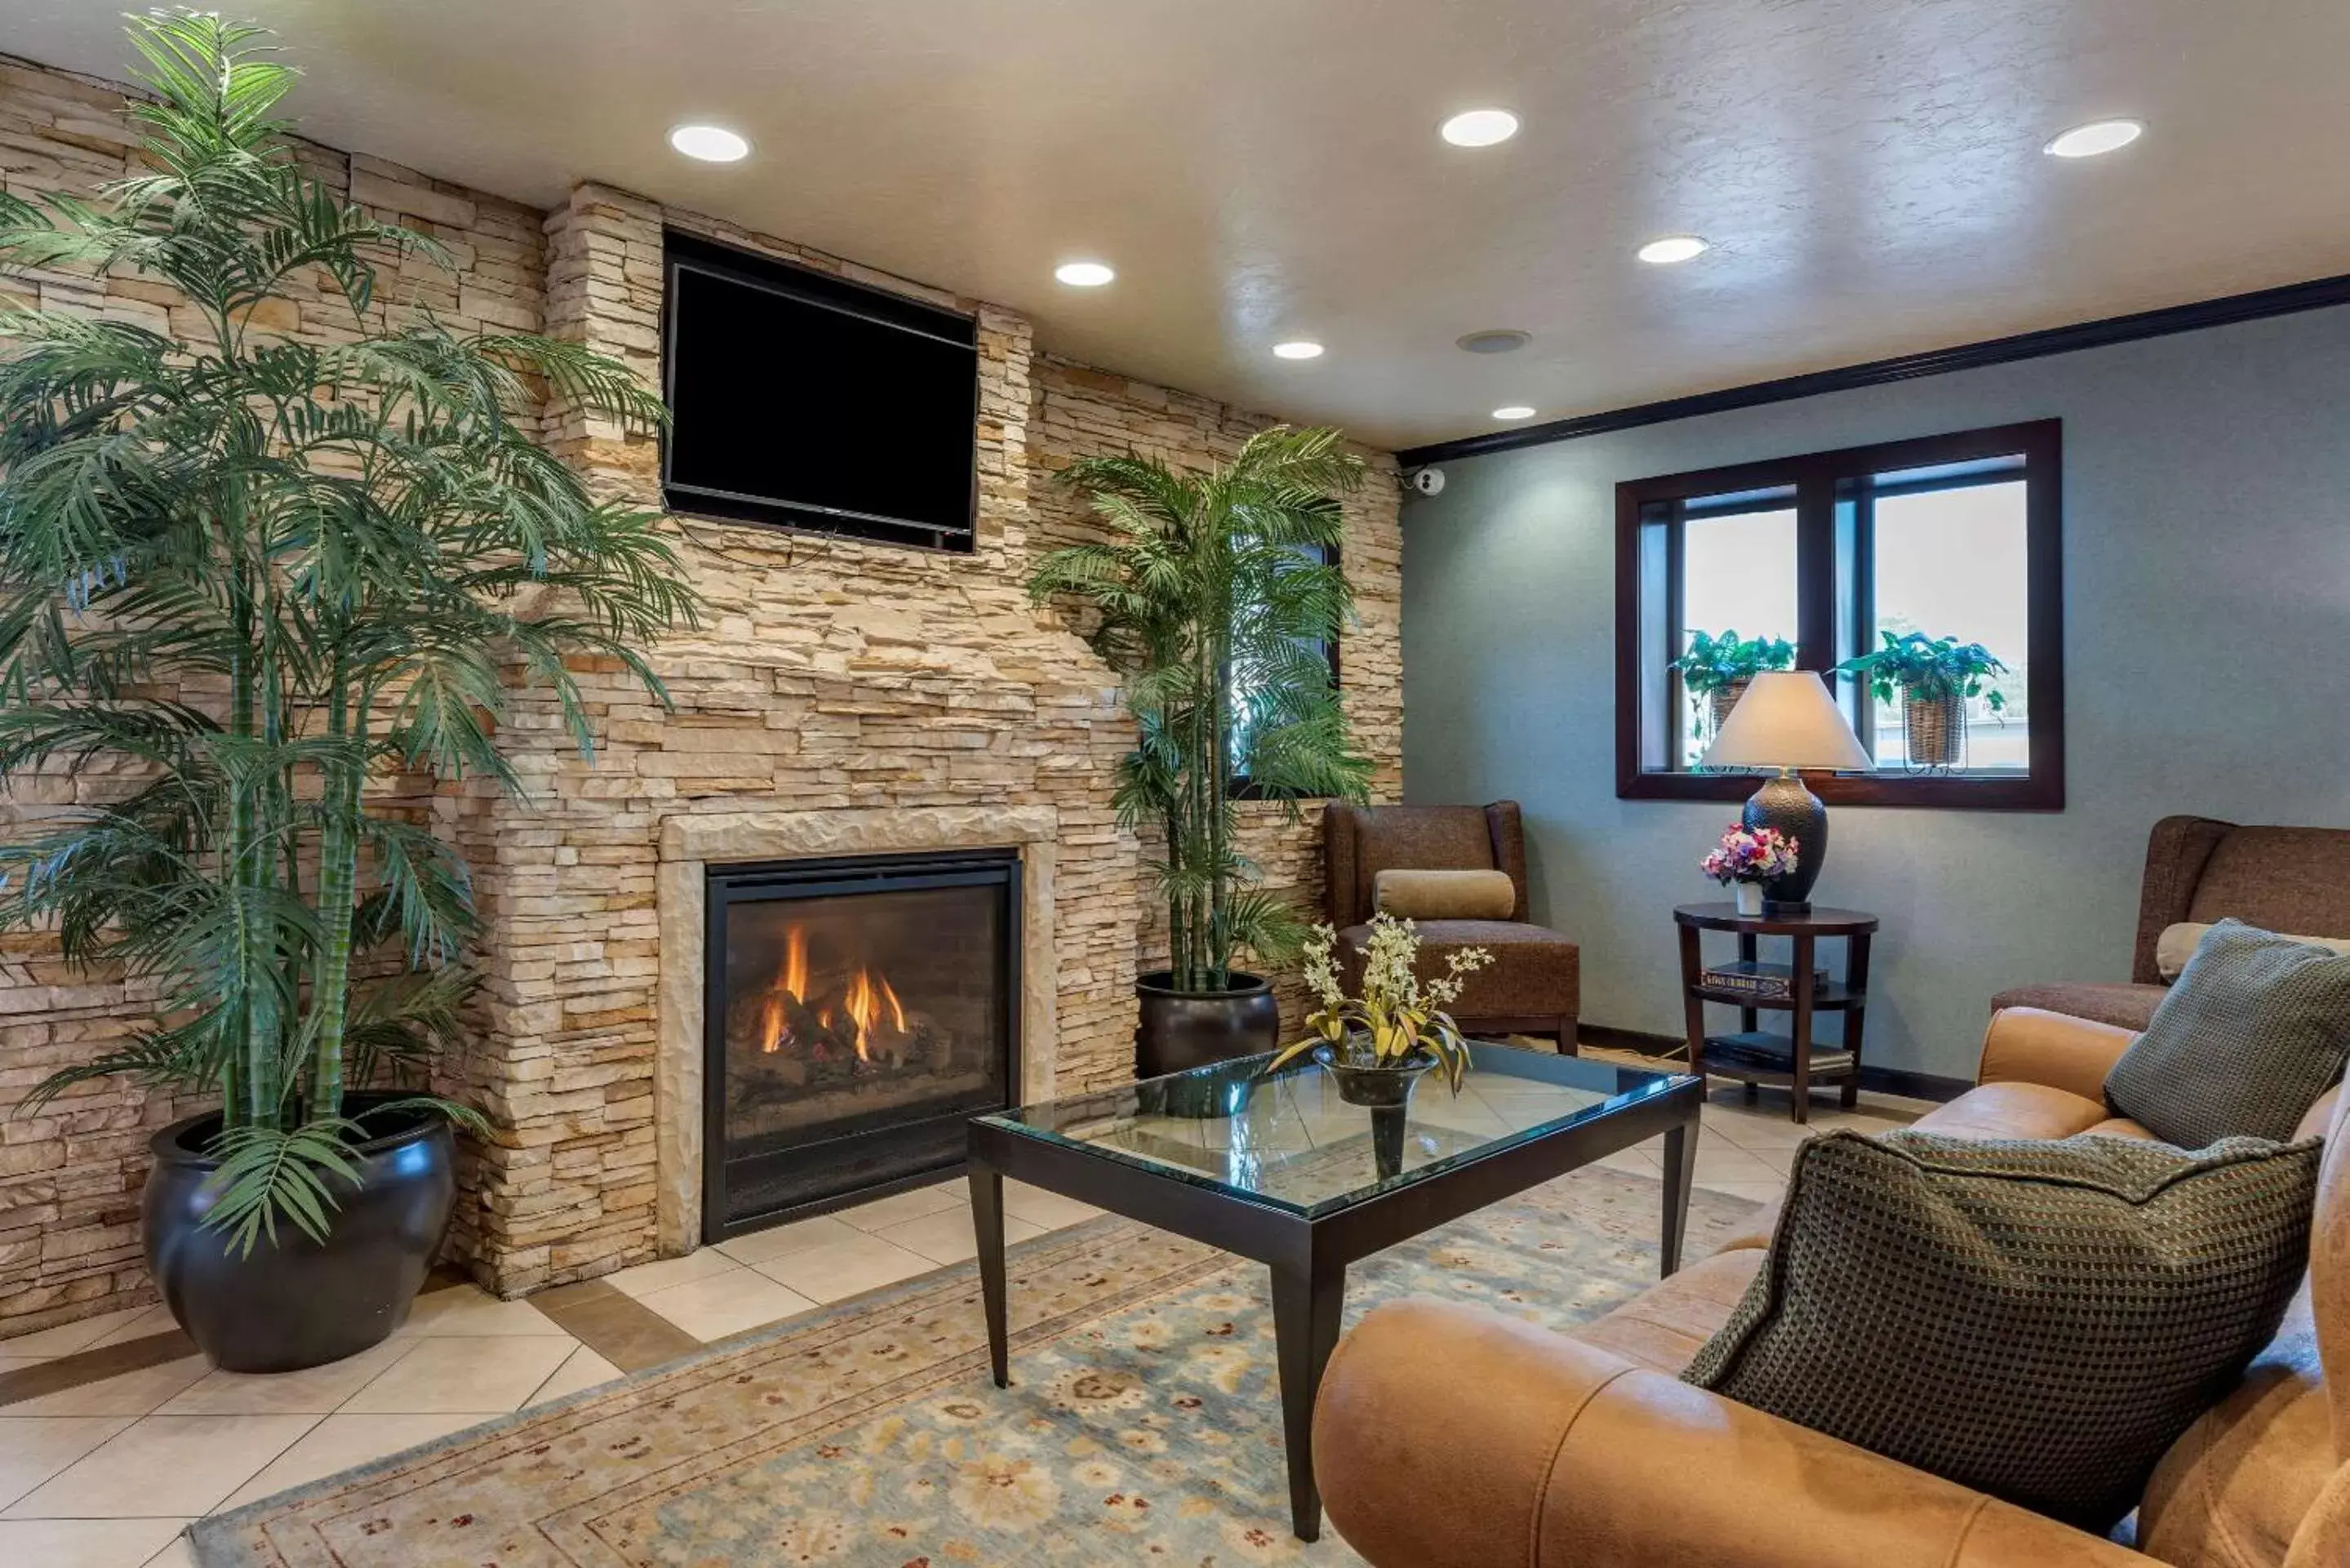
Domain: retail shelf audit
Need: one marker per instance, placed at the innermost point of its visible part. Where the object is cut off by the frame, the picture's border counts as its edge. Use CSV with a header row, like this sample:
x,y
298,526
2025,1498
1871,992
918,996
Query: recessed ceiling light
x,y
1084,274
1298,348
1480,128
1674,248
709,143
1497,340
2098,136
1515,412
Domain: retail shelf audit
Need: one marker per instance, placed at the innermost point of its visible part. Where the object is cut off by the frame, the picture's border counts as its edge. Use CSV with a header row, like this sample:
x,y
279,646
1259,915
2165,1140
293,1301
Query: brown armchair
x,y
2295,880
1535,985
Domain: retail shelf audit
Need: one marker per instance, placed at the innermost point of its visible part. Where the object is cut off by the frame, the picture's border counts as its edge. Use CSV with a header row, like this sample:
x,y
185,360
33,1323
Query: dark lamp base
x,y
1784,804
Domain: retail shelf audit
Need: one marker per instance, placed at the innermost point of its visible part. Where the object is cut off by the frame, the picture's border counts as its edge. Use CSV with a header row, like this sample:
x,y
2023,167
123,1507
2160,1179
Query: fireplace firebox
x,y
857,1011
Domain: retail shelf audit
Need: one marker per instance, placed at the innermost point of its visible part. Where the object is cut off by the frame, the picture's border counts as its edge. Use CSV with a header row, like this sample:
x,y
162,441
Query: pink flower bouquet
x,y
1751,855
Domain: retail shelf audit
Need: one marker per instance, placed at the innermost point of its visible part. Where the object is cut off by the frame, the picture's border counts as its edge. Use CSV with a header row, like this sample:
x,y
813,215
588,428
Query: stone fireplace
x,y
840,698
922,936
856,1011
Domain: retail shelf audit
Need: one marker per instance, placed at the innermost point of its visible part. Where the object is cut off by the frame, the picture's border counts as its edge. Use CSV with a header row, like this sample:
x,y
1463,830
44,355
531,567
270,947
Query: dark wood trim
x,y
2317,294
1815,476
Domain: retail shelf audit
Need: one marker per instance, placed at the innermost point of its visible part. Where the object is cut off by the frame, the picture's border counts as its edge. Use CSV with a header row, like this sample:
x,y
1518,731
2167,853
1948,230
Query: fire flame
x,y
867,1000
868,996
791,985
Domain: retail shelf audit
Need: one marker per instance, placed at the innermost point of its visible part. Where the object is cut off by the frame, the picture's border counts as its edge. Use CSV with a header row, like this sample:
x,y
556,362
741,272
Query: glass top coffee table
x,y
1282,1171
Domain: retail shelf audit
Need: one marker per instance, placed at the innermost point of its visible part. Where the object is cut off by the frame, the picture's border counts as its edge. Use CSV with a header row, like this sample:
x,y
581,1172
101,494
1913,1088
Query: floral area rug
x,y
1143,1424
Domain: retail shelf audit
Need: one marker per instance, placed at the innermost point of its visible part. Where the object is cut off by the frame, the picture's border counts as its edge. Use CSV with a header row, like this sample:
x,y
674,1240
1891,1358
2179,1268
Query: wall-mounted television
x,y
808,401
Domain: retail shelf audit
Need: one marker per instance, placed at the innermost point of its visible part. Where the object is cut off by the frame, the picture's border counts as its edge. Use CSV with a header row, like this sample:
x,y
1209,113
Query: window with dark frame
x,y
1945,537
1243,786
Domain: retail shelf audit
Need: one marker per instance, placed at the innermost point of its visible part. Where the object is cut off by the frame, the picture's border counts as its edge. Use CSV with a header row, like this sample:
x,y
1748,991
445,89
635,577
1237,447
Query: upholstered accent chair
x,y
2294,880
1585,1450
1534,984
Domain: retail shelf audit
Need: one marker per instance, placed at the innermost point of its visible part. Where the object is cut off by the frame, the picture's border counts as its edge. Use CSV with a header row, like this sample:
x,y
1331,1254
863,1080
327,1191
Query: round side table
x,y
1754,1055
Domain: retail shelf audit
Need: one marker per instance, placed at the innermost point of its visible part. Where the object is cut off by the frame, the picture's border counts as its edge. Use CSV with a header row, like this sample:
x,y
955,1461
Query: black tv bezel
x,y
804,285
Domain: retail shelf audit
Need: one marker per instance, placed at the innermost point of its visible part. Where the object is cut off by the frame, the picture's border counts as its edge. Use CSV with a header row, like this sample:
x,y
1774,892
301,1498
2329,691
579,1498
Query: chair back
x,y
2291,879
1361,841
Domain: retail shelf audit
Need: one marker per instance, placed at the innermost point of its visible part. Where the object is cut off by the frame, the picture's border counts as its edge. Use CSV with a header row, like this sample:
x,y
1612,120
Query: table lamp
x,y
1788,721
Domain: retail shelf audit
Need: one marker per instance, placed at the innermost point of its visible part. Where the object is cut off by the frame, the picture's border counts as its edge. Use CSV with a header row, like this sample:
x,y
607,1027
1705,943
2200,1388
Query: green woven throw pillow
x,y
2036,1320
2256,1028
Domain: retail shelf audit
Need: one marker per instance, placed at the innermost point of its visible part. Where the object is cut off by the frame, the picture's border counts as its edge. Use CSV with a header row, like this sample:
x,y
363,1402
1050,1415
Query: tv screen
x,y
809,401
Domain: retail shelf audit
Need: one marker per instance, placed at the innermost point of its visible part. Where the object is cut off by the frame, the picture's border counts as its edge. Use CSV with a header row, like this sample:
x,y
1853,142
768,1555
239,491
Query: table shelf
x,y
1765,1057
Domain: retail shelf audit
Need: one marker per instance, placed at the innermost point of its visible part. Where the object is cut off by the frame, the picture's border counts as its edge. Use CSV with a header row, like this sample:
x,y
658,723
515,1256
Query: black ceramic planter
x,y
1381,1088
298,1303
1181,1030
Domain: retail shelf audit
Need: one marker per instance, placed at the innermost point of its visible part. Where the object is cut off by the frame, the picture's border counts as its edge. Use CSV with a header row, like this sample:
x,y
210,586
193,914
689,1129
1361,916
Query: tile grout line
x,y
94,1364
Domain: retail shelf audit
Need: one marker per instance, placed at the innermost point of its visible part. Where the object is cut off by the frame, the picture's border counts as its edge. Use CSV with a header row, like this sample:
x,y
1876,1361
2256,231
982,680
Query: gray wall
x,y
2207,578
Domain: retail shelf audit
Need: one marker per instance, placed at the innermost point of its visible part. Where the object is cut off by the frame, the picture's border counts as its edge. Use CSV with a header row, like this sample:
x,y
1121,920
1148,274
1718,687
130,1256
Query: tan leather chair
x,y
1451,1437
1534,984
2289,880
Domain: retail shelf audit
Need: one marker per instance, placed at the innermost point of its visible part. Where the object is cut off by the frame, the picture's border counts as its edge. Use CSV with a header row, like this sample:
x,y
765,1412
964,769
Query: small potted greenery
x,y
1376,1045
1719,669
1934,676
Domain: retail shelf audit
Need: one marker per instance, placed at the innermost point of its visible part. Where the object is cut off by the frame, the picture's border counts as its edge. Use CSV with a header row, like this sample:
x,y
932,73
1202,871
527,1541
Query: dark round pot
x,y
1181,1030
1378,1087
296,1303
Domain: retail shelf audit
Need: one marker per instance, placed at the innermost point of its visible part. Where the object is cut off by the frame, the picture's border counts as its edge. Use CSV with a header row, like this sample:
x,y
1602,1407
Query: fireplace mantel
x,y
691,843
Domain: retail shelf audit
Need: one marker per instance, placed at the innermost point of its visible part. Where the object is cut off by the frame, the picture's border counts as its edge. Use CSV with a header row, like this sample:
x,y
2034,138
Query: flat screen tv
x,y
808,401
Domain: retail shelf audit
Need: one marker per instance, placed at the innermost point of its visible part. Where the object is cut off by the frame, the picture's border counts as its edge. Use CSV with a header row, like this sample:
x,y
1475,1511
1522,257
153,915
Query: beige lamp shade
x,y
1786,720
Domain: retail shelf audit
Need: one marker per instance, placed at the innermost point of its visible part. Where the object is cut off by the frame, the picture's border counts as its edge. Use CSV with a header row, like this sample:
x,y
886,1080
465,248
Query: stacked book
x,y
1770,981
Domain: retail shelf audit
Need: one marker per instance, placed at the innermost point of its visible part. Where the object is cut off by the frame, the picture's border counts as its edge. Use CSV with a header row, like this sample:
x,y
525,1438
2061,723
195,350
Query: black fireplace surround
x,y
857,1012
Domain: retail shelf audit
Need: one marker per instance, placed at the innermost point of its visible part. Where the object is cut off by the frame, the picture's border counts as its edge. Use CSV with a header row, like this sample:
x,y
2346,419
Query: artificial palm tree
x,y
253,575
1216,594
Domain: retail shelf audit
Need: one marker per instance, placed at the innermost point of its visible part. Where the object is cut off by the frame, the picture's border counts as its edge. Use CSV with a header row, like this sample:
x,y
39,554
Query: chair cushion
x,y
2256,1029
2235,1490
2121,1005
1444,895
2037,1320
2005,1110
1536,971
1663,1326
2179,941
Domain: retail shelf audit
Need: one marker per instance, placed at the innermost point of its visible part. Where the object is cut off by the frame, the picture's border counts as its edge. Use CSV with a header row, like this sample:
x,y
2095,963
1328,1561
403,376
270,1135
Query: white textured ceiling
x,y
1870,170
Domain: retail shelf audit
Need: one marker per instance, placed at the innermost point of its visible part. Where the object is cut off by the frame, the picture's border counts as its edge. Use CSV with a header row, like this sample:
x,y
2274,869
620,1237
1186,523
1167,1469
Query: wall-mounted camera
x,y
1426,480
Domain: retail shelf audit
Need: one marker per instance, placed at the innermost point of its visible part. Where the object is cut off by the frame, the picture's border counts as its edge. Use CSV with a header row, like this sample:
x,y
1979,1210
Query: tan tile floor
x,y
105,1475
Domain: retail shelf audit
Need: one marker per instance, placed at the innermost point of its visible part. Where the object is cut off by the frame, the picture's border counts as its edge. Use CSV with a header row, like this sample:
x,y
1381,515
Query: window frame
x,y
1832,598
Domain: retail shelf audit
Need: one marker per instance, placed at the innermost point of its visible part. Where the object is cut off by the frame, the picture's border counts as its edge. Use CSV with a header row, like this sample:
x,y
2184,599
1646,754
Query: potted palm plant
x,y
1934,677
254,579
1718,670
1214,594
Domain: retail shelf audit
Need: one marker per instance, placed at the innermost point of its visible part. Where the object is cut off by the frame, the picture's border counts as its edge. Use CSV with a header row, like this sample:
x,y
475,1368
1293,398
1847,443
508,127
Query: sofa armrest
x,y
1451,1437
2027,1045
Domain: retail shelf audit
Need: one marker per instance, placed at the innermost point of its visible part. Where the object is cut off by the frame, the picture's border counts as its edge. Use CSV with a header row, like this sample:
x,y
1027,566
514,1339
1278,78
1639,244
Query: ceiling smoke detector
x,y
1498,340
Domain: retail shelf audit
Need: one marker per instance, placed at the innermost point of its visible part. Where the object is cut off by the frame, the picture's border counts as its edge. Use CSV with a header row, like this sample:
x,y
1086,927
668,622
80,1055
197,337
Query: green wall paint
x,y
2207,560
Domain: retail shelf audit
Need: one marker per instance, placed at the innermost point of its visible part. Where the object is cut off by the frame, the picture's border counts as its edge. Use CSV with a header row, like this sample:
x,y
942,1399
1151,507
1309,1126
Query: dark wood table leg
x,y
1693,1006
1306,1304
1856,984
1747,949
1804,943
1680,1173
987,1222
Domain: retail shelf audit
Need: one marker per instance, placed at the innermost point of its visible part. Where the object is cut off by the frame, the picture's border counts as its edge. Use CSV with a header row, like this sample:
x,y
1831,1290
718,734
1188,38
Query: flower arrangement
x,y
1398,1017
1716,663
1751,855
